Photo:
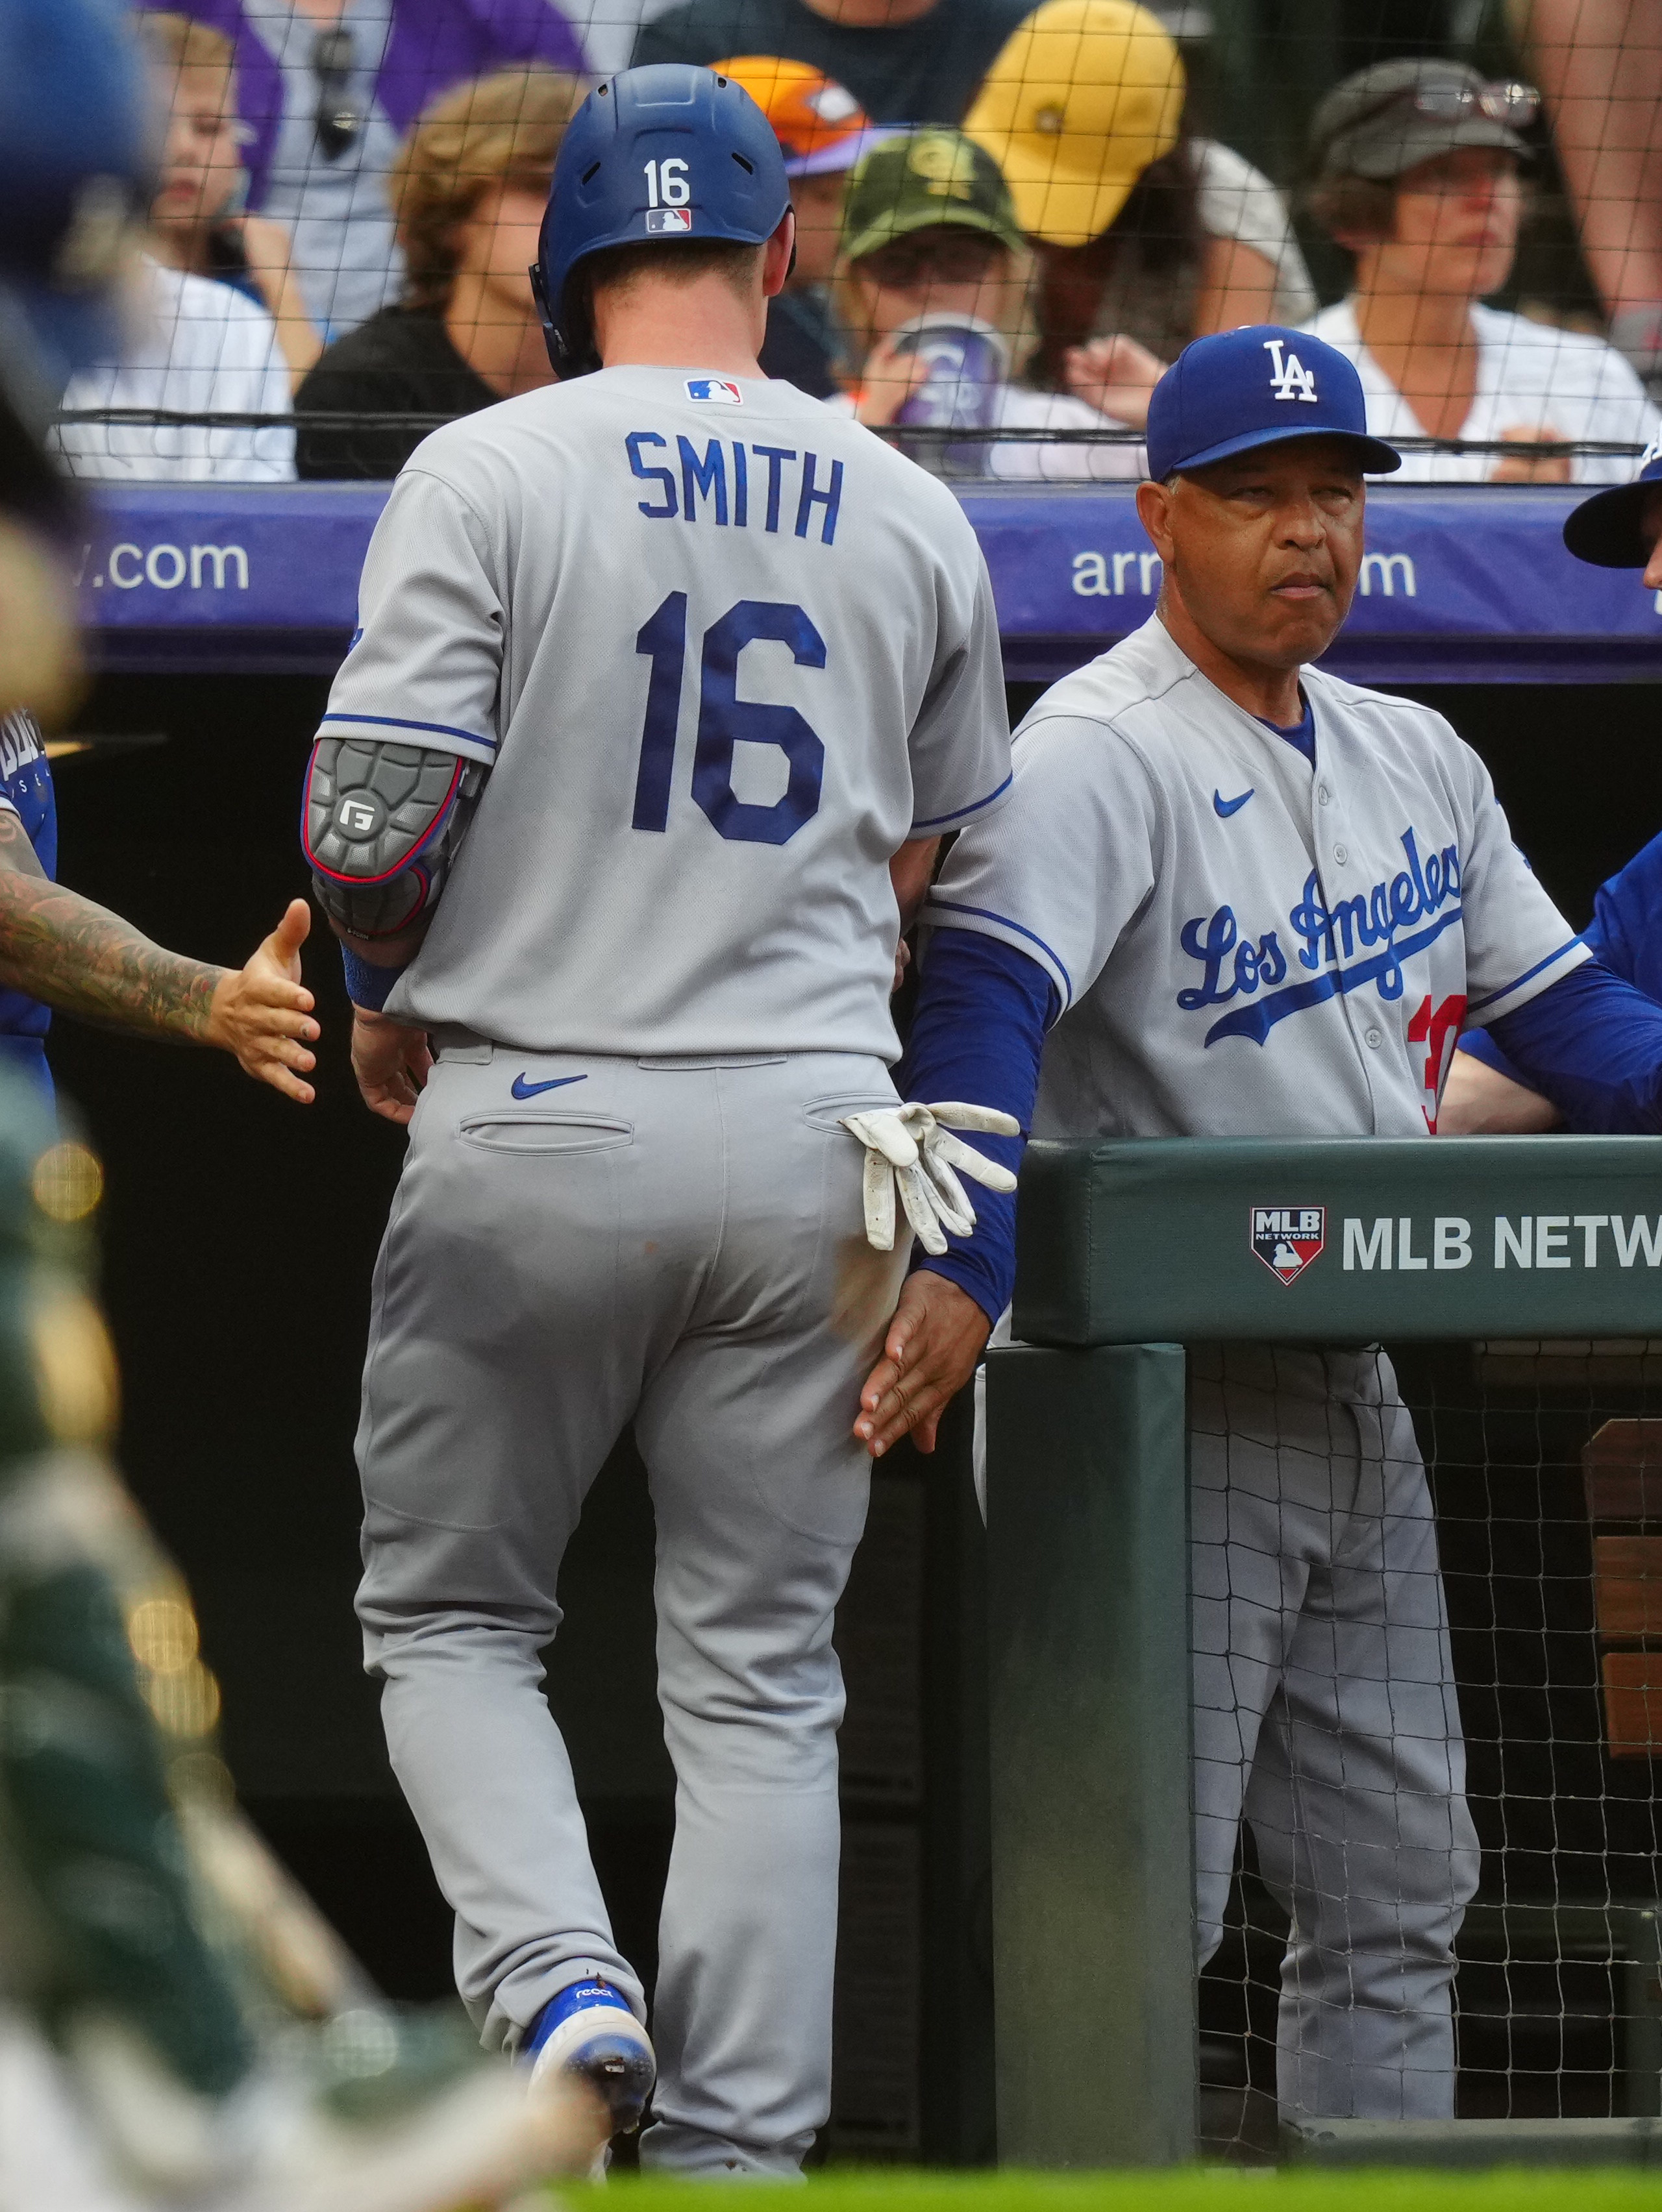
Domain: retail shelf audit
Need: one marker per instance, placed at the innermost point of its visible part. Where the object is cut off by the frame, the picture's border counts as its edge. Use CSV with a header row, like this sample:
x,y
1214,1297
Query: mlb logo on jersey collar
x,y
718,389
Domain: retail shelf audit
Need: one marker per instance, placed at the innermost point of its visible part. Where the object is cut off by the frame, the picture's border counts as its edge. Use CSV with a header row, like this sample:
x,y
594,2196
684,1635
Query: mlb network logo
x,y
659,220
1286,1238
716,388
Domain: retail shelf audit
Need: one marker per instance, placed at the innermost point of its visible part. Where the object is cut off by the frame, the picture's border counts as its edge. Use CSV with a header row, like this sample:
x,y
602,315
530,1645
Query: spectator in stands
x,y
194,346
469,184
1599,63
905,61
1145,237
1417,168
329,88
194,222
932,251
822,131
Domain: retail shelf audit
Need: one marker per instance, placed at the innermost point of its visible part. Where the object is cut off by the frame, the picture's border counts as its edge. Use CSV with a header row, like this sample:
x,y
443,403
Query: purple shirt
x,y
435,44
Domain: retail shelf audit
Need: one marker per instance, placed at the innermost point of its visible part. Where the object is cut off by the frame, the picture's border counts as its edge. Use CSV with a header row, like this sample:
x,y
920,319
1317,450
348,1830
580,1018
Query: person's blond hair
x,y
184,44
503,129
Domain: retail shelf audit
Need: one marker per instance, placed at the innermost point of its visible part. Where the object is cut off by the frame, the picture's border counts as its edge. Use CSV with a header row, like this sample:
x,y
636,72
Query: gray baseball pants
x,y
1325,1713
679,1244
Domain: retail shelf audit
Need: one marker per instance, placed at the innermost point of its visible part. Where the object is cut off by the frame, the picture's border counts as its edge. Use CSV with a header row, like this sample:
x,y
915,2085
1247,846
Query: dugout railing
x,y
1128,1252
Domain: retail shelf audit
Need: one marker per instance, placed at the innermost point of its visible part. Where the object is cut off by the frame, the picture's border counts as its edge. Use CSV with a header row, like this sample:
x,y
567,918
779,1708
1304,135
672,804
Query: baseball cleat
x,y
588,2030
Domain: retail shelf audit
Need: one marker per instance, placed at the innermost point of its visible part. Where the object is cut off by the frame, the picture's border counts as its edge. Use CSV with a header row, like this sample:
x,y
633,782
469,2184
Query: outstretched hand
x,y
262,1011
936,1338
391,1062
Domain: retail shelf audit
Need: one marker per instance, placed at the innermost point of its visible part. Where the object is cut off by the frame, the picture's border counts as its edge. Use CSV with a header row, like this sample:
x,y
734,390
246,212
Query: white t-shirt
x,y
1238,202
722,652
1244,944
206,348
1529,375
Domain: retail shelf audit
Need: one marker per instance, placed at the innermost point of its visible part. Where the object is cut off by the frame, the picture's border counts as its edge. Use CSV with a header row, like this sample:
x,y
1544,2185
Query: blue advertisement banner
x,y
1463,584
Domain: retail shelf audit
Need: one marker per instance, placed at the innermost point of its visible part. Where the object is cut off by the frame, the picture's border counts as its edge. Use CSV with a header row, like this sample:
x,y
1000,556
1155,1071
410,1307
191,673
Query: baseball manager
x,y
1233,896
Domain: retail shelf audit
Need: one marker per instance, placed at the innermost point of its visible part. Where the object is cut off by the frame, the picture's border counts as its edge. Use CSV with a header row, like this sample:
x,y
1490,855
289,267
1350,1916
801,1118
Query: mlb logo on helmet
x,y
1286,1238
660,220
716,388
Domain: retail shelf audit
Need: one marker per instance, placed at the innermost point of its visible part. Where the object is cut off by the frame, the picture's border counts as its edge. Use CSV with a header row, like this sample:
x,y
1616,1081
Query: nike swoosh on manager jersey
x,y
1225,807
520,1089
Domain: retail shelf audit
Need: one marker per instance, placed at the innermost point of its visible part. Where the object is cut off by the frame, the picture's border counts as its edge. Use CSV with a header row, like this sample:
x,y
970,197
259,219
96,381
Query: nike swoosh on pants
x,y
520,1089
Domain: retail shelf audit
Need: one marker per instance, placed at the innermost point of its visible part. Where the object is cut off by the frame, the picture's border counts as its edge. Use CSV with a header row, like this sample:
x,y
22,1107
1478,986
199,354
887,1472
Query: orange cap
x,y
820,125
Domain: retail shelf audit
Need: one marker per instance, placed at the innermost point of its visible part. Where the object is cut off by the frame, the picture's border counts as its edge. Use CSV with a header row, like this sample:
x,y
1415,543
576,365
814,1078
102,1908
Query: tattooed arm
x,y
83,959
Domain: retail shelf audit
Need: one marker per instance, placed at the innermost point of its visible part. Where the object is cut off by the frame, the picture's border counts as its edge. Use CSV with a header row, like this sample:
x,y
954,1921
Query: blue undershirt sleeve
x,y
1592,1044
1605,938
368,985
977,1033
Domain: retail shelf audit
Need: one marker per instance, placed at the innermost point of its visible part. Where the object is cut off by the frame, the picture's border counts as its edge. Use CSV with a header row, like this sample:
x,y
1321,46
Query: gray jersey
x,y
722,652
1245,946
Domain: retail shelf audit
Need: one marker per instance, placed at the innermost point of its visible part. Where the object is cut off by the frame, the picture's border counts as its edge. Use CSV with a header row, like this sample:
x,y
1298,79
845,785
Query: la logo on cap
x,y
1289,378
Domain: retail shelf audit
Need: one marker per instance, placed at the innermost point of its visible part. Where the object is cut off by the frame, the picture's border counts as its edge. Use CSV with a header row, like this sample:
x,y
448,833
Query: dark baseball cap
x,y
1260,386
1607,529
1387,119
926,178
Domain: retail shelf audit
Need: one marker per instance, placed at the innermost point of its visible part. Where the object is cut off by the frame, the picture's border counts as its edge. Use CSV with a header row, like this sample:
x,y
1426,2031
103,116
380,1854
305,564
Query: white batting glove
x,y
911,1145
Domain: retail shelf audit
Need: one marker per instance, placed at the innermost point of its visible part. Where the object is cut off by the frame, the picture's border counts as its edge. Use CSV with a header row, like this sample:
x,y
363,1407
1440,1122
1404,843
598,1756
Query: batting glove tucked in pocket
x,y
911,1145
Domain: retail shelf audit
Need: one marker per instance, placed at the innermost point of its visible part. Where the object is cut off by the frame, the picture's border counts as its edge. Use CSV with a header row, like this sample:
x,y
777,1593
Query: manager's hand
x,y
261,1012
934,1341
391,1062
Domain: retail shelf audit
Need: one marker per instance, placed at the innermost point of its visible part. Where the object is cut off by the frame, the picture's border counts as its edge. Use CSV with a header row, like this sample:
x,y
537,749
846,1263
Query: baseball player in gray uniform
x,y
1233,896
667,682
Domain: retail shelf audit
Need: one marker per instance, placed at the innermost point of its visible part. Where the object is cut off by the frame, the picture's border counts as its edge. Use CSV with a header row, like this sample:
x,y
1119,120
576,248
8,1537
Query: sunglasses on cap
x,y
1509,102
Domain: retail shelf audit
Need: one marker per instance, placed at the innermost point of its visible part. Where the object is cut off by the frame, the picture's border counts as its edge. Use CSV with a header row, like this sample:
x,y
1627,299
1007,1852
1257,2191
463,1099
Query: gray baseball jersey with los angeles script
x,y
722,652
1244,945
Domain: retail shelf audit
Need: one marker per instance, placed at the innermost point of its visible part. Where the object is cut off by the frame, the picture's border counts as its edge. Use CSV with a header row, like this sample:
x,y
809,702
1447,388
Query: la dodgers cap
x,y
1258,386
1605,529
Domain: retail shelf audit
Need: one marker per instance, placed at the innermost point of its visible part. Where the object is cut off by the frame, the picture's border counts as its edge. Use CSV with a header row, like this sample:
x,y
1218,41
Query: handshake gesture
x,y
911,1147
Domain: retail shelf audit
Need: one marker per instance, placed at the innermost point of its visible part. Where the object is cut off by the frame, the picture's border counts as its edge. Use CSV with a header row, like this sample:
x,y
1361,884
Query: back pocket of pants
x,y
828,1113
545,1133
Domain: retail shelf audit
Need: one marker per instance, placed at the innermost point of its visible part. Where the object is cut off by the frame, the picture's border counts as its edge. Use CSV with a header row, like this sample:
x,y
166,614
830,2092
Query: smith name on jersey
x,y
722,652
1244,943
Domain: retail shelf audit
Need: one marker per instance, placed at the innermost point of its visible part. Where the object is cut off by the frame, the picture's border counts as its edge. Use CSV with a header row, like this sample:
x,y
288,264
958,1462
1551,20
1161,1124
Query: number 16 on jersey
x,y
725,720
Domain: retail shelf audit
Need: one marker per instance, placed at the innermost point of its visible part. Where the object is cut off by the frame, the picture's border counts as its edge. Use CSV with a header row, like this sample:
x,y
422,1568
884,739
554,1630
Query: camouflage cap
x,y
918,181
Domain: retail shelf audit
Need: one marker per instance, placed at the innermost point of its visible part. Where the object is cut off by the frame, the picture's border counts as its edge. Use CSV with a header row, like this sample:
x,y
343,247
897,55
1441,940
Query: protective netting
x,y
1008,222
1541,1498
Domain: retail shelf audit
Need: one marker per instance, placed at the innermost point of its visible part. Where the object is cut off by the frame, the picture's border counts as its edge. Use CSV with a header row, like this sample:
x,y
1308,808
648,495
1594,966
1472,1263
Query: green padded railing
x,y
1125,1252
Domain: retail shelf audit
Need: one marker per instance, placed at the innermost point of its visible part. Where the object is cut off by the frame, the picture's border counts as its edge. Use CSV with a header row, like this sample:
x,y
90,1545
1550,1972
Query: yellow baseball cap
x,y
821,127
1080,99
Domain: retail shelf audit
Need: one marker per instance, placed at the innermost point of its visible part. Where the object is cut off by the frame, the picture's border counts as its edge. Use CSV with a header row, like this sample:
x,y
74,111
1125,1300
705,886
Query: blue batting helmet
x,y
75,160
654,155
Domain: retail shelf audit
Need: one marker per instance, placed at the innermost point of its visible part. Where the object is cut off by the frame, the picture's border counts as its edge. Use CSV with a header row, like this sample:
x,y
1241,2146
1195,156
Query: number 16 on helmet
x,y
662,154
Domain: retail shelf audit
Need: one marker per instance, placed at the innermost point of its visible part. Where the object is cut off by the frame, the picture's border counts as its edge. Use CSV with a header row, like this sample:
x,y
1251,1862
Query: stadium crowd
x,y
1009,221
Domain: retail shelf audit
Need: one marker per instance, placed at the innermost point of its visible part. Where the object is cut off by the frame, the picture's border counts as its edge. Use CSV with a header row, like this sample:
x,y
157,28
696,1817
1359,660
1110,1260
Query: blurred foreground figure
x,y
177,2024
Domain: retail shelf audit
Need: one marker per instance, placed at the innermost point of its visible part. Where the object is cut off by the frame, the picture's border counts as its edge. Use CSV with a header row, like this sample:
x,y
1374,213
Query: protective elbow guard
x,y
380,827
